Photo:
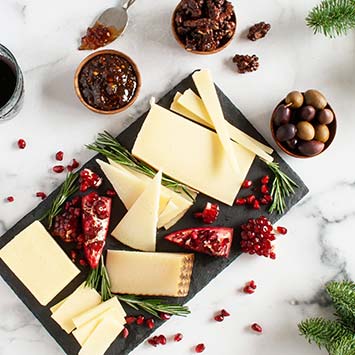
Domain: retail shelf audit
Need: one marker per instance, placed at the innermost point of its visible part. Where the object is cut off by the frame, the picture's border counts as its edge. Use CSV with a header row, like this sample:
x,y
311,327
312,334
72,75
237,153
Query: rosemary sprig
x,y
282,187
154,306
68,188
108,146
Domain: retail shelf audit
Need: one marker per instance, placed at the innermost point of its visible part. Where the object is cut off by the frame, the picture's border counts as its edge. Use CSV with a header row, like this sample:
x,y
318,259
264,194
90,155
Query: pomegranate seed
x,y
250,199
111,193
264,189
58,169
265,179
281,230
41,194
73,255
74,165
178,337
153,341
83,262
264,201
268,198
59,156
272,256
21,143
256,205
247,289
209,214
140,320
150,323
200,348
257,328
252,284
240,201
164,316
224,313
125,333
10,199
161,339
219,318
246,184
130,319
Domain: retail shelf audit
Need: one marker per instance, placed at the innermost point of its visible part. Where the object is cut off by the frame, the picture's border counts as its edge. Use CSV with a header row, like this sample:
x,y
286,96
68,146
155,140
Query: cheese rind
x,y
39,262
81,300
190,154
150,274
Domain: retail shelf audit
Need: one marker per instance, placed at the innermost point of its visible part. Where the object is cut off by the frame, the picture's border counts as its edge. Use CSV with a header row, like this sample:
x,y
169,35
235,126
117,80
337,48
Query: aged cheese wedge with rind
x,y
138,227
149,274
112,303
205,86
39,262
102,337
191,154
191,106
81,300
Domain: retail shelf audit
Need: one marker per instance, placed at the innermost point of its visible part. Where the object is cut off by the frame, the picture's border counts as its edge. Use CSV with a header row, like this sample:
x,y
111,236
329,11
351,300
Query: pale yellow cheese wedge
x,y
39,262
151,274
91,314
56,306
170,212
191,154
174,220
102,337
138,227
81,300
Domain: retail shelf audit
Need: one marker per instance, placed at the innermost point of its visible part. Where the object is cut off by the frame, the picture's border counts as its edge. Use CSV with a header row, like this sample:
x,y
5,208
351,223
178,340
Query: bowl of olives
x,y
303,124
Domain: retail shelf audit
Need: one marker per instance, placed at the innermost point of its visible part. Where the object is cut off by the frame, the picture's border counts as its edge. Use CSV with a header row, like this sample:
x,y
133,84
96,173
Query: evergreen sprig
x,y
332,17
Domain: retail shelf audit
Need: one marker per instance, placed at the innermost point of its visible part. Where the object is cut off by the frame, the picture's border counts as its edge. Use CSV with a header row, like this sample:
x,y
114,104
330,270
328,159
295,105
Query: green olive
x,y
315,99
295,98
305,131
321,133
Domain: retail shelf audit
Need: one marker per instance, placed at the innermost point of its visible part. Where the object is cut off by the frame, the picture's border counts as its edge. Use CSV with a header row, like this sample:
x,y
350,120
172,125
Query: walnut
x,y
258,31
246,63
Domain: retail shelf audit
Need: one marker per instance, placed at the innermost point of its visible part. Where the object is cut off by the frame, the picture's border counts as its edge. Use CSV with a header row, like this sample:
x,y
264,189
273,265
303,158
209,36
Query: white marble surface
x,y
319,247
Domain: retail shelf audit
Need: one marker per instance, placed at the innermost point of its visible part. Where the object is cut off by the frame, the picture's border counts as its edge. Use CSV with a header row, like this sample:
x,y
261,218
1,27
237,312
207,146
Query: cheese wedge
x,y
150,274
169,213
83,333
191,154
205,86
56,306
97,311
138,227
39,262
191,106
102,337
81,300
174,220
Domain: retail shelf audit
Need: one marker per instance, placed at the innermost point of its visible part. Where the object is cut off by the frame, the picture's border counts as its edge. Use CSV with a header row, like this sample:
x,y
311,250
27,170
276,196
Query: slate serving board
x,y
205,268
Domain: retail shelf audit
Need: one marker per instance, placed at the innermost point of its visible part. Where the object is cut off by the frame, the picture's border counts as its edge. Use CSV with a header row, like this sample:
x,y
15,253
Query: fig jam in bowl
x,y
107,82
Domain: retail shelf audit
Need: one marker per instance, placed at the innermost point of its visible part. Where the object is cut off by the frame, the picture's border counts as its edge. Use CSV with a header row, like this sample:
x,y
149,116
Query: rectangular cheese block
x,y
191,106
102,337
150,274
91,314
205,86
39,262
81,300
191,154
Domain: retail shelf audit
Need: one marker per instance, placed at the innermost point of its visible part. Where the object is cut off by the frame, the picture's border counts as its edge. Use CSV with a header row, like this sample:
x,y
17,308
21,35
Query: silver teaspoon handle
x,y
128,4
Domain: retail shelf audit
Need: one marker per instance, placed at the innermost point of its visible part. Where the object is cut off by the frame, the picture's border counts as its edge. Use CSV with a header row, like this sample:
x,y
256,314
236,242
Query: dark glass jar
x,y
11,85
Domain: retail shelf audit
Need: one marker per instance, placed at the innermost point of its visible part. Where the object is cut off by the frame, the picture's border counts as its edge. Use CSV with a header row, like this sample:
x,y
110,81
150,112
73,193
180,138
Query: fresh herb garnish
x,y
282,187
68,188
108,146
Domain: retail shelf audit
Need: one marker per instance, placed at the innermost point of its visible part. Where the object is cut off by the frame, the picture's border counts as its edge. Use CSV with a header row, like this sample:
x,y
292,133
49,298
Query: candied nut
x,y
246,63
258,31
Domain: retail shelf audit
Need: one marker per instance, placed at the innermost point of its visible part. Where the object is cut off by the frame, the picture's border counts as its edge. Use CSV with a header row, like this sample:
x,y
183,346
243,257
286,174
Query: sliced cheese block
x,y
151,274
39,262
56,306
205,86
81,300
102,337
191,106
97,311
190,154
82,333
138,227
169,213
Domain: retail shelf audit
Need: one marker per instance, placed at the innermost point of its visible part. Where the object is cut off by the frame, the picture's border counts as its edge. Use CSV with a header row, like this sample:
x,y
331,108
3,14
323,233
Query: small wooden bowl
x,y
183,45
332,132
93,55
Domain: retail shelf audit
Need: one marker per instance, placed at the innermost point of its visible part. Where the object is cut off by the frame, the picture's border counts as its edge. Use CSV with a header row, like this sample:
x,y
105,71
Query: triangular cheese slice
x,y
169,213
138,227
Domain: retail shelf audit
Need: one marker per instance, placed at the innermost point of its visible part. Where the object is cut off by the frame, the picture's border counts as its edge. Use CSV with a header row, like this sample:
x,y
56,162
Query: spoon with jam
x,y
109,26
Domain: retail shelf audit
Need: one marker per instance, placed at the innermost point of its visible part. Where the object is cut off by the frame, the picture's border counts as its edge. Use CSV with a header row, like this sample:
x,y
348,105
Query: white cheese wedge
x,y
191,154
39,262
138,227
205,86
82,333
111,304
81,300
56,306
169,213
102,337
172,222
191,106
150,274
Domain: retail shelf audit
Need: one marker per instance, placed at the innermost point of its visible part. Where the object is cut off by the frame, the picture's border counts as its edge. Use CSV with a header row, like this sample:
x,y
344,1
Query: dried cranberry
x,y
200,348
10,199
130,319
257,328
125,333
41,194
246,184
150,323
21,143
178,337
240,201
58,169
209,214
59,156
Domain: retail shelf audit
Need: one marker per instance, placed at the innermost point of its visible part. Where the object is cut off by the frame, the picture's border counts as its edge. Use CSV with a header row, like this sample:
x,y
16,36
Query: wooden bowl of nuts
x,y
303,125
202,28
107,82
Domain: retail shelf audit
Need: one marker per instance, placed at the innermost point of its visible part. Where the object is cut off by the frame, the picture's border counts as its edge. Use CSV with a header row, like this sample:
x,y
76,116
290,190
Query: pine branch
x,y
343,297
343,347
332,17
